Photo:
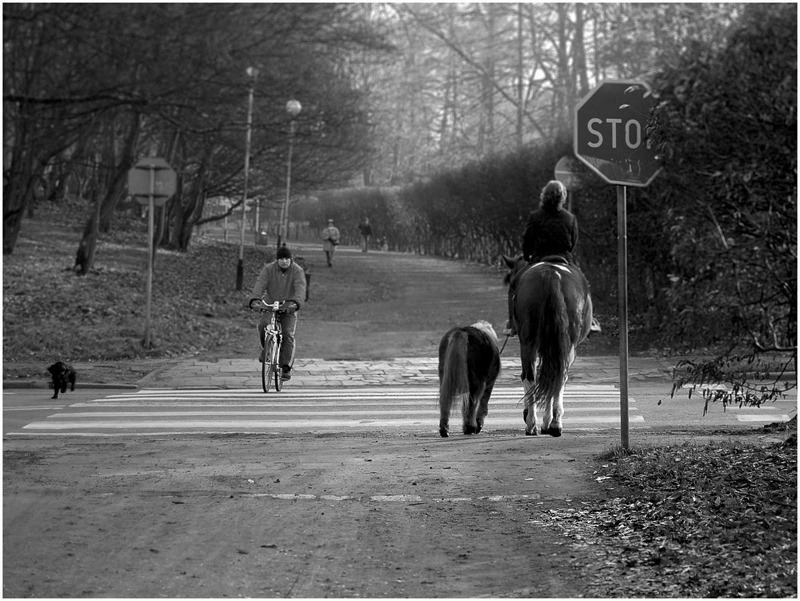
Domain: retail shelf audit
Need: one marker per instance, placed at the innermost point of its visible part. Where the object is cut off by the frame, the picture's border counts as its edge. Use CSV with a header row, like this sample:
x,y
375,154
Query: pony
x,y
552,309
469,364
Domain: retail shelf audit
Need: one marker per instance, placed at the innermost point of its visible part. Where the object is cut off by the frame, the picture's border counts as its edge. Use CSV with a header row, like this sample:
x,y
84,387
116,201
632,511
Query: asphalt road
x,y
588,407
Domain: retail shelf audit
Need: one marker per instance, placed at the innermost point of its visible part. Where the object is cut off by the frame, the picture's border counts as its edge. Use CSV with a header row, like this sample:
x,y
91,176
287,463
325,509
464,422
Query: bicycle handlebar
x,y
257,303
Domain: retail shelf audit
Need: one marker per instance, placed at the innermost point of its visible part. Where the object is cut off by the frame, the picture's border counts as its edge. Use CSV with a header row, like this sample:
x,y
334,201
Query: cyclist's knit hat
x,y
283,253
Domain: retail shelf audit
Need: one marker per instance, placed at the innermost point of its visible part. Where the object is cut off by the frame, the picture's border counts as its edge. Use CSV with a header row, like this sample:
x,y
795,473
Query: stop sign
x,y
610,135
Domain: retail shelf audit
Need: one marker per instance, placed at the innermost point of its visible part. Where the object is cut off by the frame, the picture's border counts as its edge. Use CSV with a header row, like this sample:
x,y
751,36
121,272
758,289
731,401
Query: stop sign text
x,y
611,135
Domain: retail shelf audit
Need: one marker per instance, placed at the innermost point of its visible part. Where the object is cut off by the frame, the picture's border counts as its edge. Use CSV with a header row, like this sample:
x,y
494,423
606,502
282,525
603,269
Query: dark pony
x,y
469,364
553,313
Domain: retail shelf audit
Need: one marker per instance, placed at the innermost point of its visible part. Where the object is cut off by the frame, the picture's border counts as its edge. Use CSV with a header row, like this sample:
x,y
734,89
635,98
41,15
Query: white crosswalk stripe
x,y
161,411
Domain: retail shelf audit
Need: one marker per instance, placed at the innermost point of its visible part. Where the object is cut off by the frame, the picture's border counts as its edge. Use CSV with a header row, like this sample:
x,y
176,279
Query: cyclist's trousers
x,y
288,325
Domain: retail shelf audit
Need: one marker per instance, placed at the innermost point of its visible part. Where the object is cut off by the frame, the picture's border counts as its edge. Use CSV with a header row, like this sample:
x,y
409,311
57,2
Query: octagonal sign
x,y
610,133
152,178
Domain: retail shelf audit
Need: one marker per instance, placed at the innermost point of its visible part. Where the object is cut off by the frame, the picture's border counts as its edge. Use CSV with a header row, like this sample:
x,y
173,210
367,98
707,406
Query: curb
x,y
21,384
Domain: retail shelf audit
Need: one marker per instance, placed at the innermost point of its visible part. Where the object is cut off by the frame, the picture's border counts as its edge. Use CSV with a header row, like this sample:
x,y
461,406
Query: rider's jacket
x,y
549,232
273,284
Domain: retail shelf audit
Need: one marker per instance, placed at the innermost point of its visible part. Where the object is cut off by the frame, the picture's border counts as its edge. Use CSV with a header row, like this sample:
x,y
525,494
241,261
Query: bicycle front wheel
x,y
275,366
266,365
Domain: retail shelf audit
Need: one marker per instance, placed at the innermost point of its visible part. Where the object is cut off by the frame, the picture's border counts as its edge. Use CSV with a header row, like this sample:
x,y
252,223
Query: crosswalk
x,y
243,411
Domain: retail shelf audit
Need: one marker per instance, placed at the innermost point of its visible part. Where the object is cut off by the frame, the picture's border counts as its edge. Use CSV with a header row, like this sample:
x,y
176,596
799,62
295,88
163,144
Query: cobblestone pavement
x,y
244,373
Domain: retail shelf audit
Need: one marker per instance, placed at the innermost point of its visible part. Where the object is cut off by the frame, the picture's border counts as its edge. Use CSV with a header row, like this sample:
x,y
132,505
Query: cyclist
x,y
282,280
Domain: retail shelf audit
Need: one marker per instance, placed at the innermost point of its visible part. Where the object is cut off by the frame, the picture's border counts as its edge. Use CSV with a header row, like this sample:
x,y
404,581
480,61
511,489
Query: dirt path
x,y
382,305
346,515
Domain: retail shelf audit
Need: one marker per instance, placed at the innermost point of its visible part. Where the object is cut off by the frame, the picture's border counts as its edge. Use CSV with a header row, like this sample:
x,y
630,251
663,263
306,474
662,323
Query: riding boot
x,y
510,328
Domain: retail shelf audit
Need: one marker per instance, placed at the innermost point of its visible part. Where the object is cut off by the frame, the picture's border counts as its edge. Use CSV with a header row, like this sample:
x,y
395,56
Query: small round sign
x,y
567,172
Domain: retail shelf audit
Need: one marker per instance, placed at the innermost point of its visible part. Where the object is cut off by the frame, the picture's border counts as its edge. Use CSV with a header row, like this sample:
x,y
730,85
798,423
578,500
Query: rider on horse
x,y
551,233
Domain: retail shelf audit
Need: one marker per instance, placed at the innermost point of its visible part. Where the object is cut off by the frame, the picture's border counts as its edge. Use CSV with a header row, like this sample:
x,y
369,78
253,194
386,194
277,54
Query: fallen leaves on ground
x,y
51,314
714,520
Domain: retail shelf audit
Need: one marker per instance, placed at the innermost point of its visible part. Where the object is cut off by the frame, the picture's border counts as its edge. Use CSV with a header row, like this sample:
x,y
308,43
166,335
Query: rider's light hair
x,y
553,195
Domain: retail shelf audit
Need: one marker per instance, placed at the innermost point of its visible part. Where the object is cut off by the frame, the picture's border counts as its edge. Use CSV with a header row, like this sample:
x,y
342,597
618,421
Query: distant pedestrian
x,y
384,244
330,240
366,231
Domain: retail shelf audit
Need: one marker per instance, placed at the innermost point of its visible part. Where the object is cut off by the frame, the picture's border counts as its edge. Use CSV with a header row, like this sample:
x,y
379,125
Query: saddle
x,y
556,259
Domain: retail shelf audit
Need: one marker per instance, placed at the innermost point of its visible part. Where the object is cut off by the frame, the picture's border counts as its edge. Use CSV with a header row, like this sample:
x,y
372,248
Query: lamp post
x,y
252,73
293,107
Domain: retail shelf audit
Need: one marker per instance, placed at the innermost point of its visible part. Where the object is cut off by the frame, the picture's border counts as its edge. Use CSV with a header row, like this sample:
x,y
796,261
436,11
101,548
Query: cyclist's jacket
x,y
273,284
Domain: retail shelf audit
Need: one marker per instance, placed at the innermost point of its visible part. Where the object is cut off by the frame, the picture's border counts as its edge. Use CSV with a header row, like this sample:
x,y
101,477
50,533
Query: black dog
x,y
63,374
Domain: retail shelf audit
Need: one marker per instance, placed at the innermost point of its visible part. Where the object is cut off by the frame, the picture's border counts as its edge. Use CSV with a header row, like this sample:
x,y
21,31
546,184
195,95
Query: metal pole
x,y
285,212
150,252
240,265
622,227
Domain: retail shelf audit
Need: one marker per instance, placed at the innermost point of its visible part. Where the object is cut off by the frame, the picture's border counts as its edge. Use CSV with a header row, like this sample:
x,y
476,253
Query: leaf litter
x,y
713,520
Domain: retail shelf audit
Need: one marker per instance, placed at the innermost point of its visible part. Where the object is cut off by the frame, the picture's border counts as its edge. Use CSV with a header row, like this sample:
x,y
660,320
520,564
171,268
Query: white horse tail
x,y
554,340
454,385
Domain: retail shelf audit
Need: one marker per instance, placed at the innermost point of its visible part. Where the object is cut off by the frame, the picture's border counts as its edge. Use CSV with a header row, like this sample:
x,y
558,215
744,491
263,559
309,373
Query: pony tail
x,y
554,343
454,386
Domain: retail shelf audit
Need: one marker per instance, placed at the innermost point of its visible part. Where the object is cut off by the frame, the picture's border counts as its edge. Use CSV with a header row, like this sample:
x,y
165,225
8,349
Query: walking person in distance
x,y
365,229
330,240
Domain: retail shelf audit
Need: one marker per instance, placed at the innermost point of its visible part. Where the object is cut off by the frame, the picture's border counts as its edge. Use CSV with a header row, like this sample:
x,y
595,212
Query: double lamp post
x,y
293,107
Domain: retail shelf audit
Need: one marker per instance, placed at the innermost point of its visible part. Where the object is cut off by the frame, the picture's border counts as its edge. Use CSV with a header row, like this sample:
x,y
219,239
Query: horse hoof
x,y
443,433
470,430
531,433
554,432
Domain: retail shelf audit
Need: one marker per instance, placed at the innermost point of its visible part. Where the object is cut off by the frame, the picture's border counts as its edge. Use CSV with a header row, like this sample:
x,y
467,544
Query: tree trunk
x,y
579,56
18,188
84,258
110,189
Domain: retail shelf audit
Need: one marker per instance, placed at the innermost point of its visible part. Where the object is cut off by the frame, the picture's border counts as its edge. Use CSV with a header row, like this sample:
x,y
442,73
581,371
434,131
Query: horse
x,y
553,313
469,364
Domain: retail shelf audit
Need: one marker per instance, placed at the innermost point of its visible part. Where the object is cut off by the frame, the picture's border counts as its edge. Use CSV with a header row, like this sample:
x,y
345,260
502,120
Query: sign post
x,y
152,182
610,138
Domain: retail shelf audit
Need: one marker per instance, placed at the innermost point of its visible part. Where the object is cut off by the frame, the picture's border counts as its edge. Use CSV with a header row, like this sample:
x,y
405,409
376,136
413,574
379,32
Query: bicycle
x,y
273,339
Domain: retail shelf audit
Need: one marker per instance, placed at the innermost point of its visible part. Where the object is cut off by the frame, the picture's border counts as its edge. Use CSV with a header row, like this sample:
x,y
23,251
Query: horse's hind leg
x,y
555,427
551,422
483,408
529,413
444,417
470,411
558,412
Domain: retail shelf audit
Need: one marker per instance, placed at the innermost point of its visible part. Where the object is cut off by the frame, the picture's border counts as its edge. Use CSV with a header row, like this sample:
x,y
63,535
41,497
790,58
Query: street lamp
x,y
252,73
293,107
